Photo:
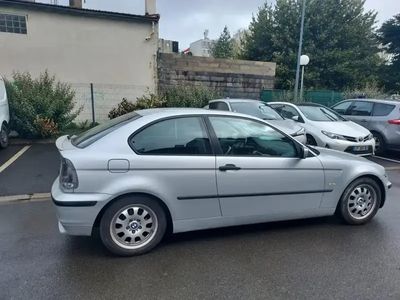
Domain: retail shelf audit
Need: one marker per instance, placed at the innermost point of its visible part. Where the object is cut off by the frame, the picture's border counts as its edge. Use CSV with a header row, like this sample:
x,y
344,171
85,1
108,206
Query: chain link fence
x,y
96,100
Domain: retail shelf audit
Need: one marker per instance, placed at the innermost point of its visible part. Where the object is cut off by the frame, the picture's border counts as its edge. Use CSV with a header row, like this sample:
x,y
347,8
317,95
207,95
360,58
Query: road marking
x,y
14,158
388,159
392,168
25,197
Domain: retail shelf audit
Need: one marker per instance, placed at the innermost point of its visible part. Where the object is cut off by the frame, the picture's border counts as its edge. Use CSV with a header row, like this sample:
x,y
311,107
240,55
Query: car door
x,y
259,171
360,112
176,159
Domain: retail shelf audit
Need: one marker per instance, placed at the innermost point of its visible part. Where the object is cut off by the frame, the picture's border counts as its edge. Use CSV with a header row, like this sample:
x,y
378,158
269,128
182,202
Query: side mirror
x,y
305,152
295,118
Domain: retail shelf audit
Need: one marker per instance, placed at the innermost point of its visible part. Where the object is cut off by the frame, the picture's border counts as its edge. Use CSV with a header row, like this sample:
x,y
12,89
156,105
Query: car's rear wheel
x,y
311,141
133,226
379,143
360,201
4,137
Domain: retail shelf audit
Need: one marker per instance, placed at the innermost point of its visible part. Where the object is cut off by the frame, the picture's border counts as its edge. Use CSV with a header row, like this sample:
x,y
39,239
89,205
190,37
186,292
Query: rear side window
x,y
382,109
361,108
219,106
180,136
92,135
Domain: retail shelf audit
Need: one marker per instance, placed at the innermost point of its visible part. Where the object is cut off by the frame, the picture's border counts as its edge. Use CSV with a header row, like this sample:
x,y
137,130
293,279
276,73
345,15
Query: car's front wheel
x,y
133,226
360,201
3,137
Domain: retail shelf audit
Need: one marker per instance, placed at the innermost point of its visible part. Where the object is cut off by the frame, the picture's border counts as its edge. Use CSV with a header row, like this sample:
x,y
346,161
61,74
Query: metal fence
x,y
96,100
324,97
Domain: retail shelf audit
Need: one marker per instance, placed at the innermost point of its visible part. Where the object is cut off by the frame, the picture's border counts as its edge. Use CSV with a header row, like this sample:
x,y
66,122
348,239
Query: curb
x,y
25,197
23,142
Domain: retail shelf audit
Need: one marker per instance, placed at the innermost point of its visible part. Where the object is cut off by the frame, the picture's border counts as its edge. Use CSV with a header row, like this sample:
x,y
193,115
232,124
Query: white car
x,y
326,128
4,115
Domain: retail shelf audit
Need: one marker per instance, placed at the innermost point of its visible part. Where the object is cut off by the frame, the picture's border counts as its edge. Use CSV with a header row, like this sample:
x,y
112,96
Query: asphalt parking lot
x,y
307,259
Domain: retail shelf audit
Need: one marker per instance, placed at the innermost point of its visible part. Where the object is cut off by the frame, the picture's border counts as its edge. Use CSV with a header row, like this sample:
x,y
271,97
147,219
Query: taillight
x,y
394,122
68,176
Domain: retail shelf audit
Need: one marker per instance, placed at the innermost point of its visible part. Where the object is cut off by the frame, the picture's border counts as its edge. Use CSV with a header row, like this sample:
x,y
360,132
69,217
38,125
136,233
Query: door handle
x,y
229,167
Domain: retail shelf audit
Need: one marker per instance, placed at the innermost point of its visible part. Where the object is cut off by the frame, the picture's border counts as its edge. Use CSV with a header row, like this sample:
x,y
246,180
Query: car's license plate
x,y
360,148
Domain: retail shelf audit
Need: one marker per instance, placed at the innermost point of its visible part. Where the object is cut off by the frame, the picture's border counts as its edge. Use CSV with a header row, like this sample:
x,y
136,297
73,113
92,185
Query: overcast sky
x,y
186,20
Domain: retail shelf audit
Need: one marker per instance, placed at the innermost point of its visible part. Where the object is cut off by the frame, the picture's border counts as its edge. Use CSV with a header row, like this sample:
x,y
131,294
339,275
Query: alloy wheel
x,y
362,201
133,226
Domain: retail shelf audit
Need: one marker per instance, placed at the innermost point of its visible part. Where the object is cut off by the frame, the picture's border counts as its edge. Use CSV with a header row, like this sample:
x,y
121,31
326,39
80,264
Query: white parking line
x,y
388,159
14,158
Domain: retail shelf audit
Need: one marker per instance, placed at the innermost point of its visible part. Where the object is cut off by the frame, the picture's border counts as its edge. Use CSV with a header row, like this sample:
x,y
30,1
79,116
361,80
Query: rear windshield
x,y
320,113
89,137
256,109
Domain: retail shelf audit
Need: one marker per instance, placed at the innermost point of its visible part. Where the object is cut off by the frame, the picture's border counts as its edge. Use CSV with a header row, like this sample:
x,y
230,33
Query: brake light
x,y
394,122
68,176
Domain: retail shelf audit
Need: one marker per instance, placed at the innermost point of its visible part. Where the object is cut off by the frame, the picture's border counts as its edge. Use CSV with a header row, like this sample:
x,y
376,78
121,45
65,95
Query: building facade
x,y
115,52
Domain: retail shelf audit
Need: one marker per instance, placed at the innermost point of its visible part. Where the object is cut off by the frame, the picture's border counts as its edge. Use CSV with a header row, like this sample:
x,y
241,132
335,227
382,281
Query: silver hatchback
x,y
144,173
381,117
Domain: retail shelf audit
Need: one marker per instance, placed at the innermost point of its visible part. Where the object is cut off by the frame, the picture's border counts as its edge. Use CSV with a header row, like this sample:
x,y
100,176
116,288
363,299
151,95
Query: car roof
x,y
157,113
236,100
386,101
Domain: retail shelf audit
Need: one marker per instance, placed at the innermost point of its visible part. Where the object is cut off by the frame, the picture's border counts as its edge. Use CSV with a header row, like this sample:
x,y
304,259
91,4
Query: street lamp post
x,y
296,87
304,60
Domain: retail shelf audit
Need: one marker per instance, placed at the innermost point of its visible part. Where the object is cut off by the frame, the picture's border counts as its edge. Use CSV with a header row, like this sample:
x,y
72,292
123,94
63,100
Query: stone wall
x,y
233,78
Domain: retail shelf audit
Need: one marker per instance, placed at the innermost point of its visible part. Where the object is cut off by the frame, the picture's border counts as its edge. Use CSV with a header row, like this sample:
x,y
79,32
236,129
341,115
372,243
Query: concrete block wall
x,y
232,78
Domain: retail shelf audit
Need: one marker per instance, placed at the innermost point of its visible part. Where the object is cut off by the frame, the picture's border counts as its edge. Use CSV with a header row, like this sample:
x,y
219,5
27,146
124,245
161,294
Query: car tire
x,y
379,143
311,141
360,201
4,139
133,226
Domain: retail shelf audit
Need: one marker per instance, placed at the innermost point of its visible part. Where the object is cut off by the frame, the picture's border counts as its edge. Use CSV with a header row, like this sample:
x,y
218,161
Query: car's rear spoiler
x,y
64,143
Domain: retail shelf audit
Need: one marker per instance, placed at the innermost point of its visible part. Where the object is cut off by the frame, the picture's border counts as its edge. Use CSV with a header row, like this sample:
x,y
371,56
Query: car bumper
x,y
367,147
76,212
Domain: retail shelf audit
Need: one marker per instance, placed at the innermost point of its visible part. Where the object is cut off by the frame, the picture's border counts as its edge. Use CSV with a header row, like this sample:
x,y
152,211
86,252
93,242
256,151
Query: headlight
x,y
302,131
333,135
370,137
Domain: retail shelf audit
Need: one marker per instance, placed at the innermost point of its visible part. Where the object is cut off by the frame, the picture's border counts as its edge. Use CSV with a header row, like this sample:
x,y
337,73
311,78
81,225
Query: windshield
x,y
320,113
88,137
256,109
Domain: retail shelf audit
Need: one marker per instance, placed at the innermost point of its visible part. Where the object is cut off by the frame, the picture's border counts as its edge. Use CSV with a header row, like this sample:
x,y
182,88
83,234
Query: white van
x,y
4,115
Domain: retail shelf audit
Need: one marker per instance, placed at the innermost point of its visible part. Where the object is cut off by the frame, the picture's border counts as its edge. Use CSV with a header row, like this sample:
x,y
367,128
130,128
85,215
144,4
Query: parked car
x,y
326,128
4,115
381,117
263,111
141,174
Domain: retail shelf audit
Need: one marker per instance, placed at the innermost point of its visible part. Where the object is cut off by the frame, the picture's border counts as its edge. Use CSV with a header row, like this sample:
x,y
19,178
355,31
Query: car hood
x,y
336,154
347,128
287,126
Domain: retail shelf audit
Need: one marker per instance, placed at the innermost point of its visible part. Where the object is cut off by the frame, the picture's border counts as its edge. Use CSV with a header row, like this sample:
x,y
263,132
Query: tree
x,y
338,36
223,48
389,36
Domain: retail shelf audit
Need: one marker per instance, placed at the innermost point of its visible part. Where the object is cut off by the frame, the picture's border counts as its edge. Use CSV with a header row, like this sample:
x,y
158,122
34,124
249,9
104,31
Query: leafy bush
x,y
180,96
143,102
371,90
189,96
40,107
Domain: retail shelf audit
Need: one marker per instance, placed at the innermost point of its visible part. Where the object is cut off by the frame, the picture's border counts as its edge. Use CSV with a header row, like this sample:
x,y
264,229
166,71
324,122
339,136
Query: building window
x,y
12,23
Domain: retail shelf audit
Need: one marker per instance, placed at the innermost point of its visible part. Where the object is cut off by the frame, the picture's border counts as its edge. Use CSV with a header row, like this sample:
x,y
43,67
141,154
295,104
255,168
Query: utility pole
x,y
296,86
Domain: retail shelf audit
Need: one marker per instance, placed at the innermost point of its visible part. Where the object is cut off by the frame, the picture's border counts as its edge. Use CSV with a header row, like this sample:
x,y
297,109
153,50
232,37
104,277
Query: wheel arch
x,y
374,178
135,194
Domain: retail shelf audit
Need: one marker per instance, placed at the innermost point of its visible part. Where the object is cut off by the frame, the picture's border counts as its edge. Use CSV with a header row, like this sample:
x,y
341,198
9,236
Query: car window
x,y
242,137
361,108
92,135
256,109
342,108
219,105
180,136
286,111
320,113
382,109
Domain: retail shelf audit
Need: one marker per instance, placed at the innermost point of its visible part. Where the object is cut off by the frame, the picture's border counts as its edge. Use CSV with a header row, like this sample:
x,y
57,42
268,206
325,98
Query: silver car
x,y
381,117
152,171
263,111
